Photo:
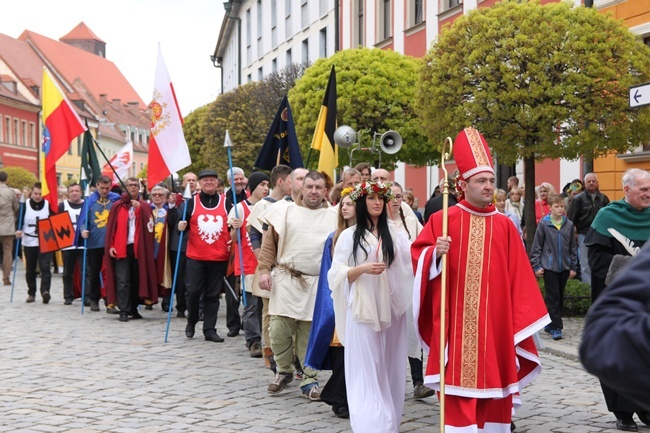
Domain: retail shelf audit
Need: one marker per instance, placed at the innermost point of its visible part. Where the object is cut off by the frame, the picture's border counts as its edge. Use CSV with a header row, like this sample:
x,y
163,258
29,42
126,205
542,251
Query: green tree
x,y
376,90
246,112
19,177
538,81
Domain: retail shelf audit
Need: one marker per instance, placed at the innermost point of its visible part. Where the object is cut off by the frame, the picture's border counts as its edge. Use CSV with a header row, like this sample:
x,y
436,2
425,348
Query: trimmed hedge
x,y
577,297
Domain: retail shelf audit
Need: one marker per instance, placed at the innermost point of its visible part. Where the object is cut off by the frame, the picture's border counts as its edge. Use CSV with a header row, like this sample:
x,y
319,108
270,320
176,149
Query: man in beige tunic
x,y
289,264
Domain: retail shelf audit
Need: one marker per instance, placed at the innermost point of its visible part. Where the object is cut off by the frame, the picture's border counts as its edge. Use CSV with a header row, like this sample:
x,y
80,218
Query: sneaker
x,y
556,334
548,329
112,310
30,298
46,297
94,306
256,349
311,392
148,307
280,382
421,391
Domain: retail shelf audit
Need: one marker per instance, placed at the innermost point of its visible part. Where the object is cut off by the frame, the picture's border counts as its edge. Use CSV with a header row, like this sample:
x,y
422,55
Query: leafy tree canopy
x,y
376,91
528,75
18,177
246,112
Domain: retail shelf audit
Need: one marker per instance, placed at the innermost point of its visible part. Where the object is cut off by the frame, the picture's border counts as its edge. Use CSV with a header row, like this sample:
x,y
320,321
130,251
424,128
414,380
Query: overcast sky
x,y
187,31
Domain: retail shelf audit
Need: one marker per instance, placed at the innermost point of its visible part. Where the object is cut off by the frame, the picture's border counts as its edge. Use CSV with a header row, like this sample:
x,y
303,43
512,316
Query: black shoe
x,y
136,315
94,306
189,330
67,302
124,317
644,417
46,297
233,333
341,411
513,427
201,316
112,310
87,303
626,424
165,308
214,337
180,314
148,307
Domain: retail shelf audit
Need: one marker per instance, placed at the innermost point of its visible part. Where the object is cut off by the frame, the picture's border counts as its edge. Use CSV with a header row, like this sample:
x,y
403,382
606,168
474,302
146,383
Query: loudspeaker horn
x,y
390,142
345,136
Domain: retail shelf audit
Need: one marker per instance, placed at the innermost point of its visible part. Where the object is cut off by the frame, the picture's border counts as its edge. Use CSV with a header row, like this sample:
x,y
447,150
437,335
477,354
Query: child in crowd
x,y
554,257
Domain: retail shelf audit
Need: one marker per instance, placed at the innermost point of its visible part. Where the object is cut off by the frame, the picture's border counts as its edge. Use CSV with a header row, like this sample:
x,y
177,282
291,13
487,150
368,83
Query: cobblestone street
x,y
66,372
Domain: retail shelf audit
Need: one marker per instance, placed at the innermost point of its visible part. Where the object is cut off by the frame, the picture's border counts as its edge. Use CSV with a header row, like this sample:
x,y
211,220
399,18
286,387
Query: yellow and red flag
x,y
324,133
61,124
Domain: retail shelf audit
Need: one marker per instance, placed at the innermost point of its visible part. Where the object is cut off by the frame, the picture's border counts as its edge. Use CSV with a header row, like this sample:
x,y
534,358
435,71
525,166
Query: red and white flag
x,y
121,162
168,151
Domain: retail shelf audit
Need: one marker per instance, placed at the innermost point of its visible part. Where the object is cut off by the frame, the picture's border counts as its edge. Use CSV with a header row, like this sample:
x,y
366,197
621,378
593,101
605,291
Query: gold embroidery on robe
x,y
476,246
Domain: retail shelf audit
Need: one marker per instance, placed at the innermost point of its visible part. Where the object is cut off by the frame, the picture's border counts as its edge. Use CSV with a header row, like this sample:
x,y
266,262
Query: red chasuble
x,y
494,305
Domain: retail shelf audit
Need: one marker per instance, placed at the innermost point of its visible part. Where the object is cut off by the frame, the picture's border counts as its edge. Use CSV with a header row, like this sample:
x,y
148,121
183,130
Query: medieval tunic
x,y
298,249
370,316
493,306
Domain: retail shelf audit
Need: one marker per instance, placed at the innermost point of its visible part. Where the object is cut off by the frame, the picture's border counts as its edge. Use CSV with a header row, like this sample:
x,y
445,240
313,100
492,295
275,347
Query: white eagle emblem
x,y
210,227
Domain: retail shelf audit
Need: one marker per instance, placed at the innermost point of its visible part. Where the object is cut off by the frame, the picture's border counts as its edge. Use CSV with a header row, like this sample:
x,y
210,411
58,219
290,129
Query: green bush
x,y
577,297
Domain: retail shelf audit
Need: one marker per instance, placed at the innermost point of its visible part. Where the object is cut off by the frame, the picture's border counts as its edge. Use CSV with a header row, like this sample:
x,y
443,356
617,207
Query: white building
x,y
259,37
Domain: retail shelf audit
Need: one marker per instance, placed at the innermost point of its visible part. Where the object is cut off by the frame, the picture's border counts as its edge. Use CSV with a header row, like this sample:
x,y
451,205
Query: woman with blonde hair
x,y
542,208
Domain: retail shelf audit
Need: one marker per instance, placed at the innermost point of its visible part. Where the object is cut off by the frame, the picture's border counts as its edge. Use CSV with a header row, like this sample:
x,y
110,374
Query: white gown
x,y
371,311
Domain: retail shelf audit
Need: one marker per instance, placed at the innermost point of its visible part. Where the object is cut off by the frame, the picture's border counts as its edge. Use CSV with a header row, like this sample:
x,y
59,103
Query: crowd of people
x,y
347,277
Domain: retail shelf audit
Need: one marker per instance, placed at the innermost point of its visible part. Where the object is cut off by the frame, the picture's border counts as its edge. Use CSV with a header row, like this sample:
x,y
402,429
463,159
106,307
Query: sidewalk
x,y
568,346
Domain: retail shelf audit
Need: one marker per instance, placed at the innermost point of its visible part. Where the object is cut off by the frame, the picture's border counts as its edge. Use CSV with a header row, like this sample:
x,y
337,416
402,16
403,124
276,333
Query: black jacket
x,y
616,342
583,210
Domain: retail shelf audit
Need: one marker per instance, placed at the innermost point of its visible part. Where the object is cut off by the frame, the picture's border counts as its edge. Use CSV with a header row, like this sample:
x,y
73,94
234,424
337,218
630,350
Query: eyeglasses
x,y
132,185
157,195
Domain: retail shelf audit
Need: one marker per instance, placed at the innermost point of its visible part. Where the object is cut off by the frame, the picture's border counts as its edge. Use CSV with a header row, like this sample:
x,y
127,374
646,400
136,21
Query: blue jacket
x,y
553,249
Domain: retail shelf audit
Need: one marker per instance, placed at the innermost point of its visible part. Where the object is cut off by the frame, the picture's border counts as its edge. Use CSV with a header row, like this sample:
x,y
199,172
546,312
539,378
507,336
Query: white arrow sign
x,y
640,95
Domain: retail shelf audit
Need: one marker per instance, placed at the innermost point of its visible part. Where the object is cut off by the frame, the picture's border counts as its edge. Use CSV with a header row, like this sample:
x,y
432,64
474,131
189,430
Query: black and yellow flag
x,y
324,134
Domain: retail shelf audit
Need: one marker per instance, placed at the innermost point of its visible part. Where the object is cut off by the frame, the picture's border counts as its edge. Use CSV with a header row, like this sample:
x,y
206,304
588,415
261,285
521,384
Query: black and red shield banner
x,y
55,233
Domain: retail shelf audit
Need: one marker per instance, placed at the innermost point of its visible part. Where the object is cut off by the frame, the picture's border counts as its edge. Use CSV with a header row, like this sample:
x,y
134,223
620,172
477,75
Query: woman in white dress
x,y
371,280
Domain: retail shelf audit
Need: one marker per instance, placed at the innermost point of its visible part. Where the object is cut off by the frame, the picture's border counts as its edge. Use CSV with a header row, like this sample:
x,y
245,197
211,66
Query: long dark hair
x,y
365,226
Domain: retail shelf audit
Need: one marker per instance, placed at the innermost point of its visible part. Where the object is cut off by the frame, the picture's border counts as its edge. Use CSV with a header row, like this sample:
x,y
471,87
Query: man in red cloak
x,y
494,305
130,272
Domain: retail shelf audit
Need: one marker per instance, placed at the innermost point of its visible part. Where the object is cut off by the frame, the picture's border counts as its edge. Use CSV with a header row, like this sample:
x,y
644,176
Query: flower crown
x,y
365,188
347,190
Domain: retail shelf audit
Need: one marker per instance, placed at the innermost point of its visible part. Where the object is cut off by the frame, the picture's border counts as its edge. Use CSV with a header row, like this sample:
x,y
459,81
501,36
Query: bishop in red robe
x,y
494,305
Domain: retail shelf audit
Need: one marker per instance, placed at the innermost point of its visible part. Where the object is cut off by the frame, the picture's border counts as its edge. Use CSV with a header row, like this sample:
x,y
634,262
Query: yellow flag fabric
x,y
324,133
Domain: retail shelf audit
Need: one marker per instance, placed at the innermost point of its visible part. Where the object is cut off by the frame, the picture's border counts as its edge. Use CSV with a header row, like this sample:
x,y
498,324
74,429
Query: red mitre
x,y
472,154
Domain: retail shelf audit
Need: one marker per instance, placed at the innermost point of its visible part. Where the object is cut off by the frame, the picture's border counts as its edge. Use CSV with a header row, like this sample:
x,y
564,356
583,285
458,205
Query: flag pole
x,y
228,144
109,164
443,282
83,272
23,203
308,158
187,195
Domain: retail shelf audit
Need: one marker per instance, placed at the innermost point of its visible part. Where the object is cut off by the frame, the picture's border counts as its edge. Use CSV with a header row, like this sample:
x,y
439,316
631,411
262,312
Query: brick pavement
x,y
64,372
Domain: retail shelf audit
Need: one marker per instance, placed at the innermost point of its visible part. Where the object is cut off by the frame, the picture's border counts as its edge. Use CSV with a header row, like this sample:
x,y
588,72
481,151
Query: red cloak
x,y
494,305
143,249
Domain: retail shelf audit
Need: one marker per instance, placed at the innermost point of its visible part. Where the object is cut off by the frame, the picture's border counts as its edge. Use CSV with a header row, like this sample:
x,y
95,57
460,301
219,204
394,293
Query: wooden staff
x,y
446,154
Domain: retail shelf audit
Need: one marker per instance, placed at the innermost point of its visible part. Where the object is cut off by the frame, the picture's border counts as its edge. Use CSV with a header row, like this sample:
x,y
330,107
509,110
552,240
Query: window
x,y
274,26
260,74
304,14
305,51
453,3
259,19
287,8
323,43
358,32
249,78
416,12
322,7
289,60
249,36
274,65
384,27
69,177
79,144
8,130
16,133
32,135
23,134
